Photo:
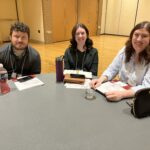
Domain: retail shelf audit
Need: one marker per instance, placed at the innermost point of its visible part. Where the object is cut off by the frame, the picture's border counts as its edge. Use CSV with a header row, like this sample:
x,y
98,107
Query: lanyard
x,y
78,60
14,68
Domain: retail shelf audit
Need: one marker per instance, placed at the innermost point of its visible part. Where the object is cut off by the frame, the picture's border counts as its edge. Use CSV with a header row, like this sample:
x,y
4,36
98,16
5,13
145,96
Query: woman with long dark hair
x,y
81,55
132,64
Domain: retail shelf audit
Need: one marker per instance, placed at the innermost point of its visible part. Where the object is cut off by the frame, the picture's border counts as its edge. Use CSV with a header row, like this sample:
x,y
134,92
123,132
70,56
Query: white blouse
x,y
137,75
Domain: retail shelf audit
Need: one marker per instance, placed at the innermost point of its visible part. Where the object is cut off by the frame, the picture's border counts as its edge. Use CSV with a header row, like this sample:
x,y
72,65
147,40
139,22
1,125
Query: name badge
x,y
14,75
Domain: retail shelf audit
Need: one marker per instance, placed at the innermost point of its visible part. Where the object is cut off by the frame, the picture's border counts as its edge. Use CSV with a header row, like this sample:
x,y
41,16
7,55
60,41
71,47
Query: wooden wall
x,y
8,15
64,14
120,16
52,20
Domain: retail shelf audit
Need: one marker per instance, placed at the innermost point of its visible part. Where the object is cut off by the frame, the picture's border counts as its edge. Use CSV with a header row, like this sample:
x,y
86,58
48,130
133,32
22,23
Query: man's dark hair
x,y
20,26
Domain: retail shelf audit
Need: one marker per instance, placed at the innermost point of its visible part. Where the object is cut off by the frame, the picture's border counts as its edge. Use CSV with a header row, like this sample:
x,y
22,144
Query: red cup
x,y
4,87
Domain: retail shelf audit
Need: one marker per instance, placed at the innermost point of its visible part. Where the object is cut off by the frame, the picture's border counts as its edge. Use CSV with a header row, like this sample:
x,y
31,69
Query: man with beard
x,y
17,57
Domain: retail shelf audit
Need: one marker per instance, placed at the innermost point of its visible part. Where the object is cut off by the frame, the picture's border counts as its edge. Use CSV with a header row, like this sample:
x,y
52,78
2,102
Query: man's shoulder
x,y
5,47
32,50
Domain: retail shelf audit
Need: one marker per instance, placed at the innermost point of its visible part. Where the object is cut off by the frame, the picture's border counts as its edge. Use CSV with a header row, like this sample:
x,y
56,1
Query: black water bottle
x,y
59,69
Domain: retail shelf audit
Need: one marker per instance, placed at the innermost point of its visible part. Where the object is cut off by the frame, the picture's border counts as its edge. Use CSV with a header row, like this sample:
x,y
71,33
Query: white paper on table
x,y
28,84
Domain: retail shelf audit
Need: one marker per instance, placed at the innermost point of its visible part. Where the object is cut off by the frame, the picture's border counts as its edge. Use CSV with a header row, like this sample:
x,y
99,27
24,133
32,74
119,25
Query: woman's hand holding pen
x,y
97,82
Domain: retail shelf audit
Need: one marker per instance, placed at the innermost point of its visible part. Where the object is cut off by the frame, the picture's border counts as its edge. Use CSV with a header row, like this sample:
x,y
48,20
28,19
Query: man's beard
x,y
22,47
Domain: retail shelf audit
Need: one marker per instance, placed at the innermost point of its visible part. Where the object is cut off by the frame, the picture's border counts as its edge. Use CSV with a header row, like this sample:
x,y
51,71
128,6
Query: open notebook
x,y
111,86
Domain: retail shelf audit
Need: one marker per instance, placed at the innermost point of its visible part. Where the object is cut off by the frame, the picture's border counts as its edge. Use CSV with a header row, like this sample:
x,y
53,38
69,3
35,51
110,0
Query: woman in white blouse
x,y
132,64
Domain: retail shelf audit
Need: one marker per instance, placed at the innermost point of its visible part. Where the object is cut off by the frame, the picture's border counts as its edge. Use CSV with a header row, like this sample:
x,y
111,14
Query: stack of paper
x,y
28,84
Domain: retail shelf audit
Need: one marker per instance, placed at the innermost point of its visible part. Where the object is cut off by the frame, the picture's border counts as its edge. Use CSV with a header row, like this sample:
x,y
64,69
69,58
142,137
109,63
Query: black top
x,y
29,64
86,61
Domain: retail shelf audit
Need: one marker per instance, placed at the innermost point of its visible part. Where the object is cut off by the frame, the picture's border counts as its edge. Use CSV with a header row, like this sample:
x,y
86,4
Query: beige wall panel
x,y
120,16
63,14
143,13
88,14
46,8
33,16
5,29
57,20
112,16
103,19
8,9
1,40
8,15
127,16
100,7
70,17
20,10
